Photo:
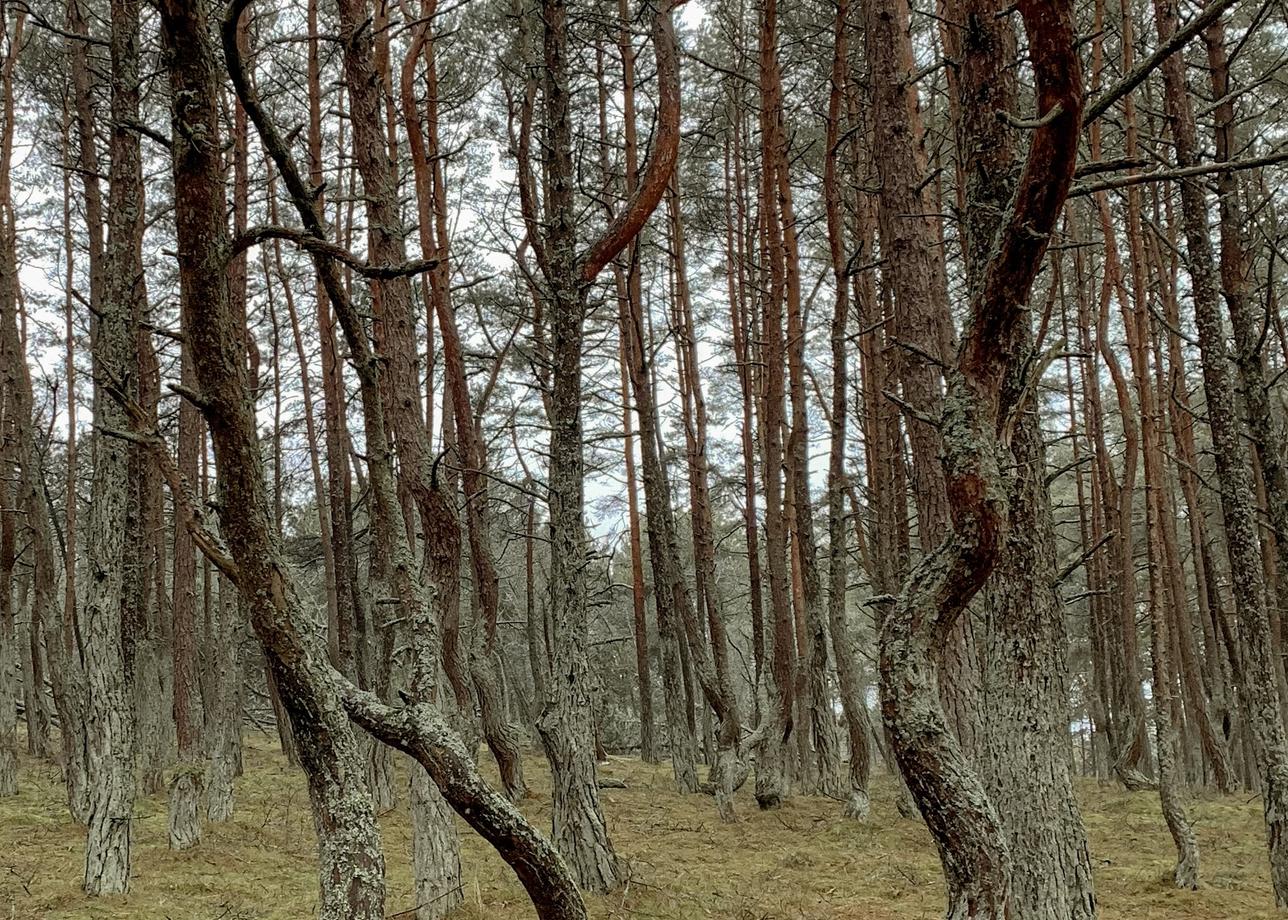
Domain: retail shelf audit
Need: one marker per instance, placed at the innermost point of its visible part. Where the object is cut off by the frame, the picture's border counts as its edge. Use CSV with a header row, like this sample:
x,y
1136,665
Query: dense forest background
x,y
781,393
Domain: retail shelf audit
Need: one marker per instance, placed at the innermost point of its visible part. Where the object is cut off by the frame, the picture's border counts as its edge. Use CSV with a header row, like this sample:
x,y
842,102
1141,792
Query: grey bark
x,y
1021,750
1259,696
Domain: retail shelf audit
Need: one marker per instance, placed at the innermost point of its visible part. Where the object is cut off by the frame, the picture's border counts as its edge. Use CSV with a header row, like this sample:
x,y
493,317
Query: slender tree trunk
x,y
15,412
186,785
61,633
1259,692
109,714
627,282
737,256
8,554
772,786
1170,781
852,705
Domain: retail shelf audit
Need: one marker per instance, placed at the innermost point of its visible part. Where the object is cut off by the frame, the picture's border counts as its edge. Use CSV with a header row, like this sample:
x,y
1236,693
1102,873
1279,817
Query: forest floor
x,y
802,862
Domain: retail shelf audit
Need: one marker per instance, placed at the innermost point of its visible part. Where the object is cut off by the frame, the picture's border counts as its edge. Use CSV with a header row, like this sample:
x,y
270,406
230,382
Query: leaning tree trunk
x,y
728,765
417,729
351,866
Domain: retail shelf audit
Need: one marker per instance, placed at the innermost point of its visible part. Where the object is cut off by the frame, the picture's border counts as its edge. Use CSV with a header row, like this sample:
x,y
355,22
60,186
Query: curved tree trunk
x,y
565,722
1022,750
351,865
416,729
627,283
978,415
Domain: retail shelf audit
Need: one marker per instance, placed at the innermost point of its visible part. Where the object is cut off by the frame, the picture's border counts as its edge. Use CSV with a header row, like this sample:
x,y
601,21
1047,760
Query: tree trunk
x,y
223,713
8,638
109,714
14,360
1170,782
978,413
64,639
185,823
416,729
772,785
351,866
628,288
565,722
1260,696
1024,704
852,705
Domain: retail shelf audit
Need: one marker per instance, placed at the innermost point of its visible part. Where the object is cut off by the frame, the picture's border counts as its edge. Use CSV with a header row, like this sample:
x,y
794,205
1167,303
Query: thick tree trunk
x,y
1024,705
910,247
1265,425
580,831
978,412
435,850
351,865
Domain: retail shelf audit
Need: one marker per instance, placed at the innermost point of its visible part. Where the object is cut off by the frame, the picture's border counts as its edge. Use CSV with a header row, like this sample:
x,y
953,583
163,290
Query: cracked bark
x,y
977,426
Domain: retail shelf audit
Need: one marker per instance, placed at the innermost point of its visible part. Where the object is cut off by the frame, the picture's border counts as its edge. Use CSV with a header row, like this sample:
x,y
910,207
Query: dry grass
x,y
800,863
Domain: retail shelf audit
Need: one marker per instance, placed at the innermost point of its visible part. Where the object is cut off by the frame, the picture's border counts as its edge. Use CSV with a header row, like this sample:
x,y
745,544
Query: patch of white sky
x,y
492,232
